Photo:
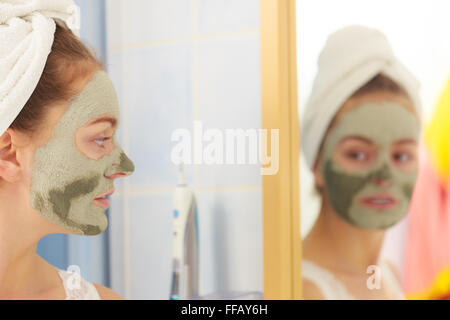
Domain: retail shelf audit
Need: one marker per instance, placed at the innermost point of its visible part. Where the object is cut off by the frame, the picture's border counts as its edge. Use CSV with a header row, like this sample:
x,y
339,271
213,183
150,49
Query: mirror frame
x,y
281,203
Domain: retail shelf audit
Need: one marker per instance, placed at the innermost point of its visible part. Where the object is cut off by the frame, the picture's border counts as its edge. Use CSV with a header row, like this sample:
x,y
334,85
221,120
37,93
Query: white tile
x,y
229,98
229,78
227,15
131,21
231,242
151,246
227,175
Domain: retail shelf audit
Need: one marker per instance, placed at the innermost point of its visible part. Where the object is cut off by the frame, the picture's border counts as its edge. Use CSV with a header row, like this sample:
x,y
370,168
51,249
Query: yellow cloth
x,y
437,136
440,289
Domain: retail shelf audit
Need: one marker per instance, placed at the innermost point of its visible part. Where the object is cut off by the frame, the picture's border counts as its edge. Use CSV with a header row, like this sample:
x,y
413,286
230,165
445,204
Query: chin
x,y
92,224
96,225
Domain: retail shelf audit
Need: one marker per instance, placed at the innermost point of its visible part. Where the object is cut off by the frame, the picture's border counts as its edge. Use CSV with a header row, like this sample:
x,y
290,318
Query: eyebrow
x,y
357,138
406,141
399,142
111,120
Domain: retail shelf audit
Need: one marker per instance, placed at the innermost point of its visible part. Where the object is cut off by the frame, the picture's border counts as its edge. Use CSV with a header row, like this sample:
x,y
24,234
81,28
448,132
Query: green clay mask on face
x,y
64,180
381,123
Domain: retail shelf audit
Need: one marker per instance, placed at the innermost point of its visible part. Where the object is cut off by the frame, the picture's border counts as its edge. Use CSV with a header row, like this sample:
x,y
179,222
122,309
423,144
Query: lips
x,y
102,201
381,201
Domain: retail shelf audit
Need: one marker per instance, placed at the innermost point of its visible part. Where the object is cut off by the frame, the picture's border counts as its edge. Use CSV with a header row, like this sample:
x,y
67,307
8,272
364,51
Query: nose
x,y
383,182
123,168
383,177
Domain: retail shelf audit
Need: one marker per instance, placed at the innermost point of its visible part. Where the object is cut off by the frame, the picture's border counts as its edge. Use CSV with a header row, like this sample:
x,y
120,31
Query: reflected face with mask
x,y
368,163
73,172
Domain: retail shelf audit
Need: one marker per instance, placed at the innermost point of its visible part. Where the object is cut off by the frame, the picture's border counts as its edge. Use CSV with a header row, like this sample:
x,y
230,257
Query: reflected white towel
x,y
352,56
27,28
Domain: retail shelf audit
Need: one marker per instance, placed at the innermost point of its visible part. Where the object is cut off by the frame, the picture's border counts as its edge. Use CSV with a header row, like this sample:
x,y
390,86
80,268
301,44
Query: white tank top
x,y
76,287
333,289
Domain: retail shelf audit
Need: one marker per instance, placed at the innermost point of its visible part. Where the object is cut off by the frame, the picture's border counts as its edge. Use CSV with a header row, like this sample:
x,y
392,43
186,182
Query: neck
x,y
19,236
336,243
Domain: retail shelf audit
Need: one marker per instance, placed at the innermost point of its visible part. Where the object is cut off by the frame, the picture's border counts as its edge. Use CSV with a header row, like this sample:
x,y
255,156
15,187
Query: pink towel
x,y
428,240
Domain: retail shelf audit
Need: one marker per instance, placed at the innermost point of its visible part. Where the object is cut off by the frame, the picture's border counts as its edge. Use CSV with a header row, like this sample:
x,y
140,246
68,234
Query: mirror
x,y
417,33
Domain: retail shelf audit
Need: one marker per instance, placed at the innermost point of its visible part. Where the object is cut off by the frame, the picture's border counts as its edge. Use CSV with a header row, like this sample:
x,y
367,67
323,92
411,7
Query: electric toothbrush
x,y
185,273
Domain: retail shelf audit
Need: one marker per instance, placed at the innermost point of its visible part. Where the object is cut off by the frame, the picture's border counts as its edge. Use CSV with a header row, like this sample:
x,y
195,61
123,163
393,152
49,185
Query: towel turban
x,y
27,29
352,56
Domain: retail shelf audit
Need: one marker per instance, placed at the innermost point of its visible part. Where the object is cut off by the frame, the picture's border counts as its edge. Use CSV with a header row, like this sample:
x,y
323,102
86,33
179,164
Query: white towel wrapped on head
x,y
27,29
352,56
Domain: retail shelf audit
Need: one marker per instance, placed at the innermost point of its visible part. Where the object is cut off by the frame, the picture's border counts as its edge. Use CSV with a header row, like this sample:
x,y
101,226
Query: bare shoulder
x,y
106,293
310,291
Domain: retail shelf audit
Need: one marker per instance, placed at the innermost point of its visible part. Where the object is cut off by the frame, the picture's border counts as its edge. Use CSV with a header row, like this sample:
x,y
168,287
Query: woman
x,y
360,136
58,154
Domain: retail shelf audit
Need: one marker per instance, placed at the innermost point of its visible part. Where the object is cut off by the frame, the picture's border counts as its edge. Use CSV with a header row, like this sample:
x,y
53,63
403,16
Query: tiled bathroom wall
x,y
173,62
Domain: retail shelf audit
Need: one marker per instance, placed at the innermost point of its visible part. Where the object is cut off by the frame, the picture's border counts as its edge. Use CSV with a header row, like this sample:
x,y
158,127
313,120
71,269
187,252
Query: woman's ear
x,y
318,178
10,166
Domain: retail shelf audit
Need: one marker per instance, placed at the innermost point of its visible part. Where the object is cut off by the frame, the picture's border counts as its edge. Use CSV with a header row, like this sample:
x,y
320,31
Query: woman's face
x,y
72,172
369,163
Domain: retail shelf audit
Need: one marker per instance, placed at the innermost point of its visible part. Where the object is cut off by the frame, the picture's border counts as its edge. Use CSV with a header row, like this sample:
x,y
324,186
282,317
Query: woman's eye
x,y
359,156
402,157
101,141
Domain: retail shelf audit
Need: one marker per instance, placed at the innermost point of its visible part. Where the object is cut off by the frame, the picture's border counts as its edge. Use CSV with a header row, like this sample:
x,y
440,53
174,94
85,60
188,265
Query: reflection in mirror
x,y
366,89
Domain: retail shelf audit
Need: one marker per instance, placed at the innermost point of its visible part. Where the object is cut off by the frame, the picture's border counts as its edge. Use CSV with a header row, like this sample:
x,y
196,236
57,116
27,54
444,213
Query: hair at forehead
x,y
381,83
69,63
